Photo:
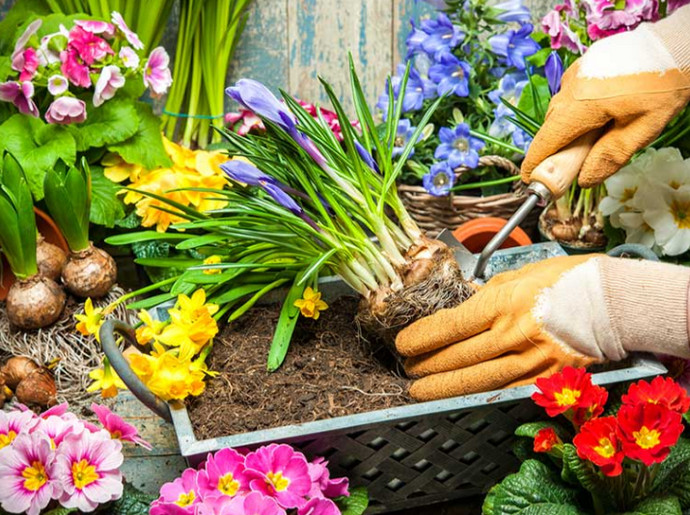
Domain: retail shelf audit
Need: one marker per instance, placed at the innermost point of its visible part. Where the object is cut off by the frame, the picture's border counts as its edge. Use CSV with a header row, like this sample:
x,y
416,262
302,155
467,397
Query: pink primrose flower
x,y
223,475
118,428
130,59
66,110
321,483
249,122
156,72
12,423
280,472
182,493
90,47
110,80
252,504
317,506
74,69
20,94
97,27
130,36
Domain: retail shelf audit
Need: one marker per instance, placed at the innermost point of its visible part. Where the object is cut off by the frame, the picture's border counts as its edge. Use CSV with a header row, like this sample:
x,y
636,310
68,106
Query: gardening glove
x,y
628,86
528,323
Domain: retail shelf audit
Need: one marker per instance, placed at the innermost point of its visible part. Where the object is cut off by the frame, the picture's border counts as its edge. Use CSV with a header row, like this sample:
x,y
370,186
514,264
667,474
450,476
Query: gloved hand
x,y
630,85
528,323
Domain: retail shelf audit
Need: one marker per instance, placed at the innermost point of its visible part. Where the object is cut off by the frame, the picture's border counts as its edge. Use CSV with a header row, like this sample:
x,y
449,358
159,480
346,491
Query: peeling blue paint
x,y
306,23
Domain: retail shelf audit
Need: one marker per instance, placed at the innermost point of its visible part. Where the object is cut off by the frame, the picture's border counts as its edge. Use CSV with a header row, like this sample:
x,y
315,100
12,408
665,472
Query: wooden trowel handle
x,y
557,172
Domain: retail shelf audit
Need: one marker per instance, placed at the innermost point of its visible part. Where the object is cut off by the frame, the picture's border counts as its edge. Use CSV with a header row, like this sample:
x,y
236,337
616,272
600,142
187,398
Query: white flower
x,y
57,84
637,230
130,59
673,175
667,211
108,83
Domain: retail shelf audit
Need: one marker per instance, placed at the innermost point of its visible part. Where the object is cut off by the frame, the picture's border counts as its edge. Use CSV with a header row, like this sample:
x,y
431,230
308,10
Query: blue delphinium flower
x,y
553,69
439,180
402,136
513,11
442,35
515,45
451,75
509,89
418,89
414,40
458,147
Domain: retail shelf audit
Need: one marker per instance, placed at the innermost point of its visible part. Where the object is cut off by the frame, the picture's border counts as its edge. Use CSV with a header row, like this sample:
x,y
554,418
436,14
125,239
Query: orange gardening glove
x,y
628,86
573,310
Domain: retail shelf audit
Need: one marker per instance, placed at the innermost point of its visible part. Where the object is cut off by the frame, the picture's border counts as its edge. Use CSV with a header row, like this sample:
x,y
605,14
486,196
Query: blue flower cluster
x,y
509,89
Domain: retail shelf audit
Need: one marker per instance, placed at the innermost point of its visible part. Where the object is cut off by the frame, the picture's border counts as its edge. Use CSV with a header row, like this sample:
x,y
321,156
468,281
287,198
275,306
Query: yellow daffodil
x,y
311,305
198,333
150,329
212,260
192,307
175,376
182,157
106,380
117,169
91,321
208,163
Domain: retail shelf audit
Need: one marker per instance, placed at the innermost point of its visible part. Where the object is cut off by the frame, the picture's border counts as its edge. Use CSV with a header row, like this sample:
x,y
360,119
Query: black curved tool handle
x,y
633,250
108,334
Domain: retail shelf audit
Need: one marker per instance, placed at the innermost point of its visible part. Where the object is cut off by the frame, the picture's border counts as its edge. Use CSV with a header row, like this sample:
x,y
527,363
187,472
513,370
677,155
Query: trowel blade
x,y
464,257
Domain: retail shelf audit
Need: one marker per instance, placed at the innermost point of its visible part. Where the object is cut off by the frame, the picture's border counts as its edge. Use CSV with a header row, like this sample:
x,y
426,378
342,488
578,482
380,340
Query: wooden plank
x,y
320,34
403,12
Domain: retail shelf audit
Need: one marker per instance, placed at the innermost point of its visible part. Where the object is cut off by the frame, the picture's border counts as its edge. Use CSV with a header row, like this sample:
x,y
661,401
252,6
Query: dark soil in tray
x,y
329,372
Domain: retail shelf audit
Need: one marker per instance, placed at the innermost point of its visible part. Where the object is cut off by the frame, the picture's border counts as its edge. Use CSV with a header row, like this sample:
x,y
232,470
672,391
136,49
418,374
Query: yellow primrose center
x,y
228,485
647,438
628,194
186,499
605,448
34,476
212,260
277,481
681,213
7,438
83,474
567,397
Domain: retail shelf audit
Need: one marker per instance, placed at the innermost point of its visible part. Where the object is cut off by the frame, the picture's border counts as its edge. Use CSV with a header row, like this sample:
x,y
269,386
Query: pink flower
x,y
27,475
88,466
130,59
278,471
57,84
66,110
606,17
560,33
181,493
97,27
252,504
318,506
322,485
56,428
20,94
20,45
74,68
58,410
26,63
131,37
676,4
107,84
118,428
12,423
90,47
249,122
329,117
223,475
156,72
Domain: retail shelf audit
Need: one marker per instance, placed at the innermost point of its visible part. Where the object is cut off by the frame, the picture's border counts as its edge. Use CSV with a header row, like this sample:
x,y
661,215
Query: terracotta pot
x,y
50,232
475,234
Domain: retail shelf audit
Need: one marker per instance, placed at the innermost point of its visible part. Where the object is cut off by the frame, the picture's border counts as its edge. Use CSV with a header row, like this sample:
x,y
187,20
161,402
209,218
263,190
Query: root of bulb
x,y
89,273
432,281
34,303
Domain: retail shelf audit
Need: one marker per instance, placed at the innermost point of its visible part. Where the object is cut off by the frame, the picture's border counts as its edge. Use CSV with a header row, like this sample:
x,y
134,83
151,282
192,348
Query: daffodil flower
x,y
212,260
91,321
106,380
311,305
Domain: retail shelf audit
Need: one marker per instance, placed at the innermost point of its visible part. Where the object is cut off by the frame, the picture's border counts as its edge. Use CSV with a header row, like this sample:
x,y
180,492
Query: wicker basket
x,y
433,214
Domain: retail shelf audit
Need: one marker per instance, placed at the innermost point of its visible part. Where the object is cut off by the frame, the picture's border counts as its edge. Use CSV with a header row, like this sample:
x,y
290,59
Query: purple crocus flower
x,y
451,74
442,35
515,45
553,69
367,157
20,94
418,89
403,134
458,147
513,11
439,180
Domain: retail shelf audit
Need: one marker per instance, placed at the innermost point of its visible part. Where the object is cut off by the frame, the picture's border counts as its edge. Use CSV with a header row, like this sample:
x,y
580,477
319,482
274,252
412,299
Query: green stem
x,y
141,291
486,184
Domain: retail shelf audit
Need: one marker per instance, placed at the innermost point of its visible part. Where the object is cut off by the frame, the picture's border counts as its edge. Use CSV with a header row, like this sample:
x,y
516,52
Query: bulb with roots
x,y
34,302
89,273
50,259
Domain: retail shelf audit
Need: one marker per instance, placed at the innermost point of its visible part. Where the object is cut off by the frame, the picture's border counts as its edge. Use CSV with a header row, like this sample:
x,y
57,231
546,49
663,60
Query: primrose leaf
x,y
132,502
673,476
667,505
113,122
37,146
145,146
531,429
356,503
584,472
106,207
534,490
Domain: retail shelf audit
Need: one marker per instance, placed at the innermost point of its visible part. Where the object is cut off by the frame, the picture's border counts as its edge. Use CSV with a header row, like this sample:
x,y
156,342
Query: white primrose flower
x,y
667,211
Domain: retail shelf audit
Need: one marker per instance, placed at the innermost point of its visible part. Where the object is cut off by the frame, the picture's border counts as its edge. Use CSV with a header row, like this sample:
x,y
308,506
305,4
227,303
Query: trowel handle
x,y
557,172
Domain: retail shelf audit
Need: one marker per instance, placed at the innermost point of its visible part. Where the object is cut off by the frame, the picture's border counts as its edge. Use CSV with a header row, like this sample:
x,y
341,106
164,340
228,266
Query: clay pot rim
x,y
490,224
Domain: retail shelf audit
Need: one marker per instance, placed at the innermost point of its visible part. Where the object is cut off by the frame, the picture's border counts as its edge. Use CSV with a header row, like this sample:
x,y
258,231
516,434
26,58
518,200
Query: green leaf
x,y
667,505
106,206
37,146
151,249
585,472
531,429
535,490
673,477
60,511
131,221
356,503
289,314
535,98
145,146
113,122
132,502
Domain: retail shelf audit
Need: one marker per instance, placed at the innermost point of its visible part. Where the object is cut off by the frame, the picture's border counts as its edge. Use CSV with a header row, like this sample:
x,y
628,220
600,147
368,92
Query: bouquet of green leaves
x,y
303,205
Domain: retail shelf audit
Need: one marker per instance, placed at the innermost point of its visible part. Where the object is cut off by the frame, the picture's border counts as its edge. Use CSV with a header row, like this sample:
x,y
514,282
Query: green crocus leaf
x,y
37,146
534,490
667,505
289,314
113,122
106,207
356,503
145,146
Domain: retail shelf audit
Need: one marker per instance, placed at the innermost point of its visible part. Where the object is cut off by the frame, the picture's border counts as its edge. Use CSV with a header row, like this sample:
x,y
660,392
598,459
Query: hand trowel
x,y
549,181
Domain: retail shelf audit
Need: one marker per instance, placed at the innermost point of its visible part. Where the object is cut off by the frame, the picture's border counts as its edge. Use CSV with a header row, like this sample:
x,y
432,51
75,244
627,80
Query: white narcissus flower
x,y
667,211
637,230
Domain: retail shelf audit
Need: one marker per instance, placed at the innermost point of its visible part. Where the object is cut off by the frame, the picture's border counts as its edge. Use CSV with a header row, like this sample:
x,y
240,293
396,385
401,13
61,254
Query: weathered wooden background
x,y
288,43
